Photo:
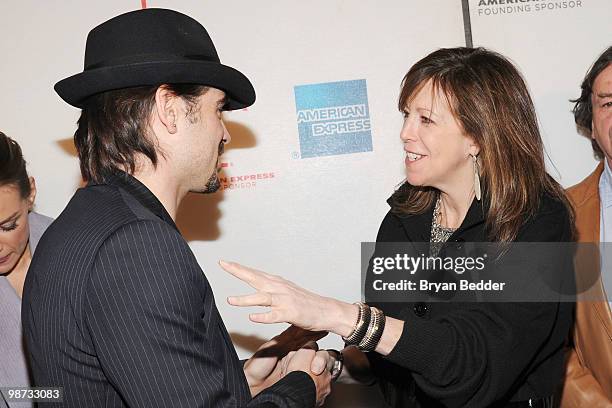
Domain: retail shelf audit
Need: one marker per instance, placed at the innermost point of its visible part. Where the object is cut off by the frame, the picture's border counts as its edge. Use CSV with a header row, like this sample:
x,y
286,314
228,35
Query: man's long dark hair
x,y
114,127
583,107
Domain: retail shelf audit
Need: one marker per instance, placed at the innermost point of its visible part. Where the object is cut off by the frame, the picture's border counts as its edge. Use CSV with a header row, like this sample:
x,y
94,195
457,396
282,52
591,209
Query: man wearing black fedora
x,y
116,309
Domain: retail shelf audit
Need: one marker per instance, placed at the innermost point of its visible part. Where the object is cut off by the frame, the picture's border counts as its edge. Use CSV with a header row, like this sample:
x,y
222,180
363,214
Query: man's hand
x,y
269,363
302,360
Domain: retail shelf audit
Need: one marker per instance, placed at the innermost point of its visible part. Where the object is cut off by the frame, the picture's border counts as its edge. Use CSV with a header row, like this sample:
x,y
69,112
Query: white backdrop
x,y
303,218
553,42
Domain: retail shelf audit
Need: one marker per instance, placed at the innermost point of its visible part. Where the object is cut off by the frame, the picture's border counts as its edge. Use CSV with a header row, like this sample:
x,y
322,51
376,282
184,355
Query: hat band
x,y
149,58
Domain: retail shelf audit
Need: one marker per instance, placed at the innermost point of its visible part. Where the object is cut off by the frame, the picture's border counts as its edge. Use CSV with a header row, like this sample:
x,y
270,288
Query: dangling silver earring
x,y
477,191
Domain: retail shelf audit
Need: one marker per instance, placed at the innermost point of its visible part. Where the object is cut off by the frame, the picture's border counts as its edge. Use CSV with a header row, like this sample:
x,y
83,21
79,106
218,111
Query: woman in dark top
x,y
475,173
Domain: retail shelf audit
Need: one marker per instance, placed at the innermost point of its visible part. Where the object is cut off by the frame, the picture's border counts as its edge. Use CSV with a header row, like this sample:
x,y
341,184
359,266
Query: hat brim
x,y
237,87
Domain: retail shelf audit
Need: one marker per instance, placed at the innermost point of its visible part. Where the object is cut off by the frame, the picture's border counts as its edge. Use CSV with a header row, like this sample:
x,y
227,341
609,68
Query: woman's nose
x,y
408,132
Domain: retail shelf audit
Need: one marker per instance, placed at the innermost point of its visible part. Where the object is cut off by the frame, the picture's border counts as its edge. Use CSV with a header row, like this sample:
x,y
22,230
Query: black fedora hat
x,y
152,47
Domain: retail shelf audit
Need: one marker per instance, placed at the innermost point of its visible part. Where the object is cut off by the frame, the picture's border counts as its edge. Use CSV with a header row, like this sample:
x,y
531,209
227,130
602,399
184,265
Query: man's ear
x,y
166,108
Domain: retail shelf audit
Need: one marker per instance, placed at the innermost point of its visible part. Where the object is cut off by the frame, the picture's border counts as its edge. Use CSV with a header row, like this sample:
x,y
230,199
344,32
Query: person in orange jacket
x,y
588,381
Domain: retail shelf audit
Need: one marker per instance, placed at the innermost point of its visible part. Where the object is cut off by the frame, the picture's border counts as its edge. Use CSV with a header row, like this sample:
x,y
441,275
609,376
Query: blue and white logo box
x,y
333,118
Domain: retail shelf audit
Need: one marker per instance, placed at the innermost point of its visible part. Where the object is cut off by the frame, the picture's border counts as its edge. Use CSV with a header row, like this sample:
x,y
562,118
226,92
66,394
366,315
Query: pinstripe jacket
x,y
117,311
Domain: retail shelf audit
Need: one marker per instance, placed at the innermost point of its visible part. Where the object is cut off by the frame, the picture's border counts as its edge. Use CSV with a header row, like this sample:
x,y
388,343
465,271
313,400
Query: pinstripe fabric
x,y
117,311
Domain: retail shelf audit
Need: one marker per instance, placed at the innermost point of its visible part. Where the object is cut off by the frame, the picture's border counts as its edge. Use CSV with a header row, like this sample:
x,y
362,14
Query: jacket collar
x,y
418,226
141,193
585,198
587,191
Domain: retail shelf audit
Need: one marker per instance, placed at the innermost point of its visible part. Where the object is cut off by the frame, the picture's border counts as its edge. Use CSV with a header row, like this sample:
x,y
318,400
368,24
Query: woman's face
x,y
437,149
14,227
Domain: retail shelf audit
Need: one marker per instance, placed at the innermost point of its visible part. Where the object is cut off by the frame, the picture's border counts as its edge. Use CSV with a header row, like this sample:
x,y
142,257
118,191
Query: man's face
x,y
205,134
601,99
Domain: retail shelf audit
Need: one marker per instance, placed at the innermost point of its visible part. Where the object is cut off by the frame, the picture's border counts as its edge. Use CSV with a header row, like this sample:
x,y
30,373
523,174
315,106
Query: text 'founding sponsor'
x,y
496,7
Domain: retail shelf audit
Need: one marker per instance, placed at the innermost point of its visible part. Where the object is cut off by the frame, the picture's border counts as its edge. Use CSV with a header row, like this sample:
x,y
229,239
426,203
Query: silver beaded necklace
x,y
439,234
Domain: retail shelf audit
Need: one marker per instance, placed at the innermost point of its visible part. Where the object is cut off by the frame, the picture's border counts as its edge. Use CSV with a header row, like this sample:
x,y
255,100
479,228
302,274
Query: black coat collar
x,y
141,193
418,226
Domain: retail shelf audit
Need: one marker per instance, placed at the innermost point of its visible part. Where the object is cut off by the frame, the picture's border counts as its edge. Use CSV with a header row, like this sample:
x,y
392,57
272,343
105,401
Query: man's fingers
x,y
254,299
319,362
301,360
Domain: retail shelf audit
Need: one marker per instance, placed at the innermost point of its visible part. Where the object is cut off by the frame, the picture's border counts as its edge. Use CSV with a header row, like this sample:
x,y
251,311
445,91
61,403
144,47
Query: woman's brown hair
x,y
490,100
13,167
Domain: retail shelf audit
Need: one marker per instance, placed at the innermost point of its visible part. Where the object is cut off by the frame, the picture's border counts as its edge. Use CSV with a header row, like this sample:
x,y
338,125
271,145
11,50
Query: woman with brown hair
x,y
20,231
475,173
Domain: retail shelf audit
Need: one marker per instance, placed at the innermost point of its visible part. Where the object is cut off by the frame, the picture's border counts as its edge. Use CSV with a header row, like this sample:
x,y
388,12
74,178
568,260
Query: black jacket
x,y
475,354
117,311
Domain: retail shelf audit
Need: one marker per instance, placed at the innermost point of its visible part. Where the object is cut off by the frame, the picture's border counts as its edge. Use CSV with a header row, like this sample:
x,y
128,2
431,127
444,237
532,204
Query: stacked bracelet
x,y
374,332
368,328
361,326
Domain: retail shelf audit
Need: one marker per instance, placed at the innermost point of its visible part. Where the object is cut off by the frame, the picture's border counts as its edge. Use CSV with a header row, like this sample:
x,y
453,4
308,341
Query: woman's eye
x,y
8,228
426,120
406,114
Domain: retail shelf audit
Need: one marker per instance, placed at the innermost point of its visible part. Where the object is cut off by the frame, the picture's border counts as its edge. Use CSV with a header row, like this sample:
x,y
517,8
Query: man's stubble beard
x,y
214,183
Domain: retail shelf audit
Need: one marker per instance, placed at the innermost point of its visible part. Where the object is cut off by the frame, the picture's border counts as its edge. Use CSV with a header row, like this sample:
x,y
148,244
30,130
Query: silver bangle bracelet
x,y
374,332
361,326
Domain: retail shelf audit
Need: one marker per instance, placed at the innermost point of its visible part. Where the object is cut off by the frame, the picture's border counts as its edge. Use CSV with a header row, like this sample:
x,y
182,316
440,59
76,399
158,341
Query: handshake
x,y
295,349
312,317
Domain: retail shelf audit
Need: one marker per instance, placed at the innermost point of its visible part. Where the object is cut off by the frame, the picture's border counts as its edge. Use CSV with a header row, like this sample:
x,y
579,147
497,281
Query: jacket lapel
x,y
585,197
418,226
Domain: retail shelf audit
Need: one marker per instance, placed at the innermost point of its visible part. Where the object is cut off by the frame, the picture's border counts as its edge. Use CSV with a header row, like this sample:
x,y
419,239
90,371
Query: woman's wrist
x,y
342,317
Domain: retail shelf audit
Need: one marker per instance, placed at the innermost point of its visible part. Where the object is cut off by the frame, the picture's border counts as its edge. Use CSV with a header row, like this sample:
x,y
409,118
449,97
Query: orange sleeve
x,y
581,389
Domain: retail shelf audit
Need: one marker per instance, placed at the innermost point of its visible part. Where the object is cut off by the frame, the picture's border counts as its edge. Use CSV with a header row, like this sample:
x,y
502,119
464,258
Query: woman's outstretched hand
x,y
290,303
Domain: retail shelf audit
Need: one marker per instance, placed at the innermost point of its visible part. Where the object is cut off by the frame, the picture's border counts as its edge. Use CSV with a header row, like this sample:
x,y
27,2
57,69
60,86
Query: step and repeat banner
x,y
553,42
311,164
